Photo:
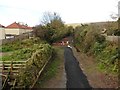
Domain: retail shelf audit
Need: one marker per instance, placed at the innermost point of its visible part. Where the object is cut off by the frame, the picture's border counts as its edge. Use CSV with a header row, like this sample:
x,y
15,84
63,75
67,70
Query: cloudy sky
x,y
71,11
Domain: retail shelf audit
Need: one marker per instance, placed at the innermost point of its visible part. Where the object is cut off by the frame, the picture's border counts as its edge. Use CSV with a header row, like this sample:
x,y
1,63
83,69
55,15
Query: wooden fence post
x,y
3,68
11,69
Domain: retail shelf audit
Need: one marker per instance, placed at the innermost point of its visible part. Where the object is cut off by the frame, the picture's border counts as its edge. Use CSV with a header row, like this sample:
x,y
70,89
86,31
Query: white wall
x,y
16,31
2,33
21,31
28,30
113,38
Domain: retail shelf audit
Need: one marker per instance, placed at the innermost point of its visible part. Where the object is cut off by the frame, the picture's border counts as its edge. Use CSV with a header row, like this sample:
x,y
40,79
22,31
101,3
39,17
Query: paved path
x,y
74,74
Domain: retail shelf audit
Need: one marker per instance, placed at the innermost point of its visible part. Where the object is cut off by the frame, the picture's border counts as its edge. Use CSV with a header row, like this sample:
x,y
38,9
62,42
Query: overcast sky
x,y
71,11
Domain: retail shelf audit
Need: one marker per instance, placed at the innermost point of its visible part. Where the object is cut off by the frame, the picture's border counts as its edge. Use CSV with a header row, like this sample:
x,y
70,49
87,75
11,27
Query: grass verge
x,y
51,69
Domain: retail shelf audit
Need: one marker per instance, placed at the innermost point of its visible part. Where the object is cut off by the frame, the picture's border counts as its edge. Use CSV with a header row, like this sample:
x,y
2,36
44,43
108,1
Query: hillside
x,y
95,23
74,24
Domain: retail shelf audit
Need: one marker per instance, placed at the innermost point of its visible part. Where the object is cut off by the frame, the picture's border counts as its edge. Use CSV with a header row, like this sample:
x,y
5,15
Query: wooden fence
x,y
12,66
32,86
8,69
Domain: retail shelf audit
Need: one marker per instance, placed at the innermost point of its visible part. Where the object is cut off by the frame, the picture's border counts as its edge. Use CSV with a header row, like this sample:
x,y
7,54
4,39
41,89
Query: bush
x,y
97,48
99,38
52,29
27,43
6,48
89,40
117,32
109,55
28,75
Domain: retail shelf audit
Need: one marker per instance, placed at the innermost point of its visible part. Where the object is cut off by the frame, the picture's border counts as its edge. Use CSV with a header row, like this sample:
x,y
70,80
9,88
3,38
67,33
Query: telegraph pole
x,y
119,45
119,15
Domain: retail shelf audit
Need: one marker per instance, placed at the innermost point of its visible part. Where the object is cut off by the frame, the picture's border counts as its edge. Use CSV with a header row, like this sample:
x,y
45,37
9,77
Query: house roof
x,y
2,26
15,25
18,26
29,27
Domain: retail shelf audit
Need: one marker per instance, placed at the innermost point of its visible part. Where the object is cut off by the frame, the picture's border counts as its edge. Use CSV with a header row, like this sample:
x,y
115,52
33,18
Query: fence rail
x,y
9,68
42,69
12,66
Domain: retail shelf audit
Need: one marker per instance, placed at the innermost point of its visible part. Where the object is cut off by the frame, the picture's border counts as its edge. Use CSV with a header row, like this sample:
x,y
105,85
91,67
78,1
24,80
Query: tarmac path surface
x,y
75,76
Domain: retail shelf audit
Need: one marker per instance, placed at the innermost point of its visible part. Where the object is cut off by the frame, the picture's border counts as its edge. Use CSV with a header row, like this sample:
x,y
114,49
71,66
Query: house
x,y
2,32
26,27
17,29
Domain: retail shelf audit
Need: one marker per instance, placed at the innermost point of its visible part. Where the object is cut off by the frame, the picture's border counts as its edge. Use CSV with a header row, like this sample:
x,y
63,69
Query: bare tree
x,y
48,17
114,16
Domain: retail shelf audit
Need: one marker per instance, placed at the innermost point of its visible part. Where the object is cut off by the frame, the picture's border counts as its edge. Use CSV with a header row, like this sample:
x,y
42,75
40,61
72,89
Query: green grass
x,y
22,54
51,69
17,45
20,50
50,72
5,49
106,69
5,58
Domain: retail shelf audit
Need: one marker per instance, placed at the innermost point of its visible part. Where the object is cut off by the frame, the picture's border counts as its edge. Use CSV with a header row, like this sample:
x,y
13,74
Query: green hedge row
x,y
28,75
89,40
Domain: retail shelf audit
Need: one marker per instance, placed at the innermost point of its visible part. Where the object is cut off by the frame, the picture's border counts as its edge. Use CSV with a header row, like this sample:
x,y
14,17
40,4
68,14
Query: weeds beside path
x,y
54,75
96,77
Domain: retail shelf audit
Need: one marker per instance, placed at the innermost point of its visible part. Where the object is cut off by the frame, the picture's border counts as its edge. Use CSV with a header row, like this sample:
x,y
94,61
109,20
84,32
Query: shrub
x,y
109,55
97,48
28,75
89,40
99,38
6,48
117,32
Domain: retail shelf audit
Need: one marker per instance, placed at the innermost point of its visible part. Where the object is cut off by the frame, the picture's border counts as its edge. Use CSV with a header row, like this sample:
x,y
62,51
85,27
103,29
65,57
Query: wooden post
x,y
11,69
3,69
